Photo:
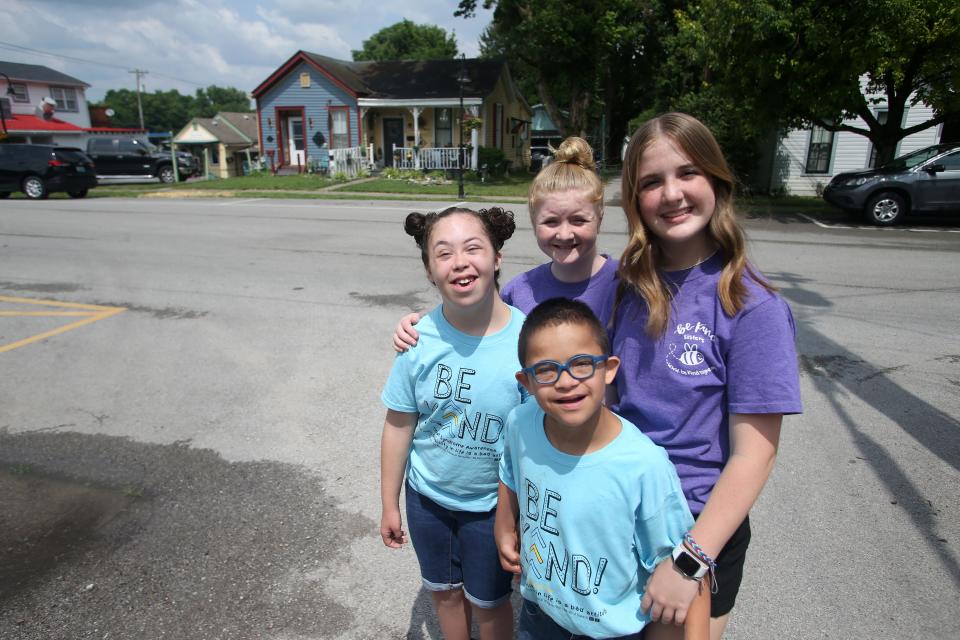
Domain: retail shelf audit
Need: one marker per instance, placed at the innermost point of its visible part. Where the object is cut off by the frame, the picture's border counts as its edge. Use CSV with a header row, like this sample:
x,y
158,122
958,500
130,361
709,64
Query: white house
x,y
802,161
46,106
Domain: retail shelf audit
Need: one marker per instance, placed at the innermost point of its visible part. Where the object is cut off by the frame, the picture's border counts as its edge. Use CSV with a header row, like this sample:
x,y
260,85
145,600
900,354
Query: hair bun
x,y
501,222
415,225
575,150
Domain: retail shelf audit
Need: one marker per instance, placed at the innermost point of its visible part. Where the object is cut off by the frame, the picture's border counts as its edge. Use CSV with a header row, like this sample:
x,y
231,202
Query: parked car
x,y
925,181
40,169
134,158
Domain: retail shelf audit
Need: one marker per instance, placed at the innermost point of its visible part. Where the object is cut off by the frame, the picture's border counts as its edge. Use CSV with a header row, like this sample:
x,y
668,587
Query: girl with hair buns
x,y
566,207
447,400
708,360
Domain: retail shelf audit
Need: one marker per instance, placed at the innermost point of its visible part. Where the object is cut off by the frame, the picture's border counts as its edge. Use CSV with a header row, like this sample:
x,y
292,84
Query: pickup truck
x,y
134,158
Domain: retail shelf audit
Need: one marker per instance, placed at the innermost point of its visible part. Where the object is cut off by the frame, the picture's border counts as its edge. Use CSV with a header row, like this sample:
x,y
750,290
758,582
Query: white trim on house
x,y
436,102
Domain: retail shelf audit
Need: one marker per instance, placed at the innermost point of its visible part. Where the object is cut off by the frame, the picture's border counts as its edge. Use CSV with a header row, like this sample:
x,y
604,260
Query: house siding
x,y
315,101
851,152
515,147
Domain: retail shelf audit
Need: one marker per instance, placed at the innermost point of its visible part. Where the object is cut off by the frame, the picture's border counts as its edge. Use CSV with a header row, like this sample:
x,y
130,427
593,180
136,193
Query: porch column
x,y
416,111
474,143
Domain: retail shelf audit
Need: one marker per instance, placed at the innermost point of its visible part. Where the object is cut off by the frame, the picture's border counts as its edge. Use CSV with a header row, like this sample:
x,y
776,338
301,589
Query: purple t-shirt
x,y
531,288
681,388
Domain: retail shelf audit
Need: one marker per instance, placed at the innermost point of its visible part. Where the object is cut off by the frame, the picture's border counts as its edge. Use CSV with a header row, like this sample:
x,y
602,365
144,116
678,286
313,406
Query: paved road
x,y
204,463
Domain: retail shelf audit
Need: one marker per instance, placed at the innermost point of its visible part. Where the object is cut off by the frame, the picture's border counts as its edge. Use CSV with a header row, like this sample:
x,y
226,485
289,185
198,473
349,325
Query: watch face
x,y
687,565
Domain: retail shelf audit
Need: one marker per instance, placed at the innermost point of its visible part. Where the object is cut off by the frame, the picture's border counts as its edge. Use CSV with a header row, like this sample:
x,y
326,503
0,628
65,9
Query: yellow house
x,y
405,113
224,145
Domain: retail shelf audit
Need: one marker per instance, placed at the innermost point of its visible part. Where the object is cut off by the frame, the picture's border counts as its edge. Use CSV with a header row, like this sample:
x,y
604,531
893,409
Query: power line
x,y
17,47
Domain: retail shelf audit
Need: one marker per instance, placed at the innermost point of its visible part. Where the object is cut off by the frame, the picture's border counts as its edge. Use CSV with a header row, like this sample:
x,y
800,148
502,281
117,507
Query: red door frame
x,y
281,114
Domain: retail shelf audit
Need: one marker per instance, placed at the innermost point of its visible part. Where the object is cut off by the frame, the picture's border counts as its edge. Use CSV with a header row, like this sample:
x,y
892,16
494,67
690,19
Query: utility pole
x,y
139,72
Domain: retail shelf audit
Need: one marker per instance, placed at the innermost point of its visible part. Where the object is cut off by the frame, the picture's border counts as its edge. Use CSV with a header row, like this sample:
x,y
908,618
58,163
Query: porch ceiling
x,y
426,102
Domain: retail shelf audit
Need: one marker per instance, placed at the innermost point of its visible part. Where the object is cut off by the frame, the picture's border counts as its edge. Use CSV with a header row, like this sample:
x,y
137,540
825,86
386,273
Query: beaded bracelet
x,y
700,553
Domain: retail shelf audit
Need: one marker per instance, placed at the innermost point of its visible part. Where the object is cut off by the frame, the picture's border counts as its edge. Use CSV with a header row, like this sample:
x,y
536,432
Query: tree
x,y
585,58
170,110
821,62
406,40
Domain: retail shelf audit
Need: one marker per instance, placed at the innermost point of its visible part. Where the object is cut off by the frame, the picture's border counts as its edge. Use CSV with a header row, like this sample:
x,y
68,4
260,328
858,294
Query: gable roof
x,y
398,79
245,123
38,73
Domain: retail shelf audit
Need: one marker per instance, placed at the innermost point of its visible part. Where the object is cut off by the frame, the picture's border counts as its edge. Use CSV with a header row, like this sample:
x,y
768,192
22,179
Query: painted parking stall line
x,y
87,314
824,225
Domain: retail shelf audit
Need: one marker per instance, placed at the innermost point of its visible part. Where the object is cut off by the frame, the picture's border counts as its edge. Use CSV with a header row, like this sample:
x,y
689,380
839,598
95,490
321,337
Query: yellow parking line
x,y
93,313
52,314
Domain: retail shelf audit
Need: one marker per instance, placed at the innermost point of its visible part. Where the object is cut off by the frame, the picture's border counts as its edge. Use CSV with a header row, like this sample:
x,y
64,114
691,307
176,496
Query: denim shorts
x,y
537,625
456,549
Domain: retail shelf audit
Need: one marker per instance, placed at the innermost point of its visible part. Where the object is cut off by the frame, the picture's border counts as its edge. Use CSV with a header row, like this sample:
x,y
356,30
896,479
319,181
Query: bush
x,y
492,160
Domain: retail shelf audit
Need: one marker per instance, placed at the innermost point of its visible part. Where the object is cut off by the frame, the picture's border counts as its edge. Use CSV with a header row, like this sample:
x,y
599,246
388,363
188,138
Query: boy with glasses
x,y
587,504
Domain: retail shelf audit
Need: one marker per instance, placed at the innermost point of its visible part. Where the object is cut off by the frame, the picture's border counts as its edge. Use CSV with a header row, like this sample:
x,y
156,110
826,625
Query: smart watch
x,y
689,565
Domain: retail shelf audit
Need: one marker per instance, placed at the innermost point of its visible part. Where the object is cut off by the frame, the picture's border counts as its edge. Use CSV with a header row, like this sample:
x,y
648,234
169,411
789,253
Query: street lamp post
x,y
10,92
462,79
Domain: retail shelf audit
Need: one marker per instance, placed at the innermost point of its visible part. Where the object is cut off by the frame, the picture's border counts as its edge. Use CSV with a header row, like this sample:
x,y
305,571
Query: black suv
x,y
925,181
134,158
39,169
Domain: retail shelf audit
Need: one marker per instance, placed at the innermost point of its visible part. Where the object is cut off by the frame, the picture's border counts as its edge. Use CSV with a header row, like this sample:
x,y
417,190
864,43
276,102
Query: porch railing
x,y
430,158
349,160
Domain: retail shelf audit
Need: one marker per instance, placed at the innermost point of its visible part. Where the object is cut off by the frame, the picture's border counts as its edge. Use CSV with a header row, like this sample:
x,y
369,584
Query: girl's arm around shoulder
x,y
394,448
405,336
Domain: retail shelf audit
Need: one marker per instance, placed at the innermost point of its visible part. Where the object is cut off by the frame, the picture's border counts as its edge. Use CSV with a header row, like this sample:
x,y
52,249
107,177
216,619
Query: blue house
x,y
401,113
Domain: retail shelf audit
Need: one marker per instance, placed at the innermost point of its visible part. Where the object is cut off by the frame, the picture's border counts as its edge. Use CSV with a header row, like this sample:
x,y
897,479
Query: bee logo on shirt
x,y
691,355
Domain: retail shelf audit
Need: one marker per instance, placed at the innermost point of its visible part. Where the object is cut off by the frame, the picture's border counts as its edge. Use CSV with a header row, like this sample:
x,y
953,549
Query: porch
x,y
422,133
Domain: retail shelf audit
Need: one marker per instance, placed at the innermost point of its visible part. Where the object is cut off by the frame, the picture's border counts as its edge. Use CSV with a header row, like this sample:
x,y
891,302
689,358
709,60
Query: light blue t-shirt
x,y
463,387
592,527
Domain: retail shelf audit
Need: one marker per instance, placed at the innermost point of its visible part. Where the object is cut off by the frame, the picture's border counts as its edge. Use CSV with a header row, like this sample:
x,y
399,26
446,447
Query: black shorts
x,y
729,574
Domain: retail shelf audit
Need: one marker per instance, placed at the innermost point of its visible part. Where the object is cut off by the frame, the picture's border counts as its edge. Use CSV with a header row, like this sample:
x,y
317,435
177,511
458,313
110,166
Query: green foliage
x,y
170,110
406,40
802,63
493,159
581,61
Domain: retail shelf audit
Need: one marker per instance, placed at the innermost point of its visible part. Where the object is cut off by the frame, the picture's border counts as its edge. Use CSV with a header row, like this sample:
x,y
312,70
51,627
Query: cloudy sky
x,y
187,44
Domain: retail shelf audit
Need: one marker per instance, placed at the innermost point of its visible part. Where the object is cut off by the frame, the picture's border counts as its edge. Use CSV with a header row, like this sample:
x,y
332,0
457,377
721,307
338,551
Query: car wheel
x,y
166,174
4,195
886,209
34,187
78,194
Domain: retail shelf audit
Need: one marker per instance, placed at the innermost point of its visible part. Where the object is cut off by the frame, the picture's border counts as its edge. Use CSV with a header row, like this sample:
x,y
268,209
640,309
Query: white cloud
x,y
186,43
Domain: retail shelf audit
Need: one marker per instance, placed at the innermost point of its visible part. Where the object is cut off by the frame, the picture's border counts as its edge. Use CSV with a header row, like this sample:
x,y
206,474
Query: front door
x,y
392,136
295,142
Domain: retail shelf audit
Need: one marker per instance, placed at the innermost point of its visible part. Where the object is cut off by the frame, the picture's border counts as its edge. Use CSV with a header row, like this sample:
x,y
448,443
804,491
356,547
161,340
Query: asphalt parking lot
x,y
202,462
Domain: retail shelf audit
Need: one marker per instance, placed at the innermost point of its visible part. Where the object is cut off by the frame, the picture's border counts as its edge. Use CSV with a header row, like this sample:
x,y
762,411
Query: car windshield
x,y
913,159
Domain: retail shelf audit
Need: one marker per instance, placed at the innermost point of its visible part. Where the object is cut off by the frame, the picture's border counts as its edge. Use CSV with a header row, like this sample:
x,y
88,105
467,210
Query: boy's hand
x,y
668,594
508,546
391,529
406,336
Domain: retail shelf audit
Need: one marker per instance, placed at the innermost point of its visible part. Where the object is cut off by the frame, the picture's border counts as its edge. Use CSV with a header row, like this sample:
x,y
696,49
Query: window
x,y
132,146
950,162
443,128
305,80
819,151
66,98
882,119
339,129
101,145
20,93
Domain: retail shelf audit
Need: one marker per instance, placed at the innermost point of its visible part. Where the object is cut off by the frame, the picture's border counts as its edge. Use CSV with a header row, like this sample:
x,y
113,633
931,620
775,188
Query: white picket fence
x,y
430,158
350,160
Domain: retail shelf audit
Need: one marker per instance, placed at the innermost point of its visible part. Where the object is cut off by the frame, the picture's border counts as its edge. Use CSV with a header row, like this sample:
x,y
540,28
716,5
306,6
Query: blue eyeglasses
x,y
580,367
